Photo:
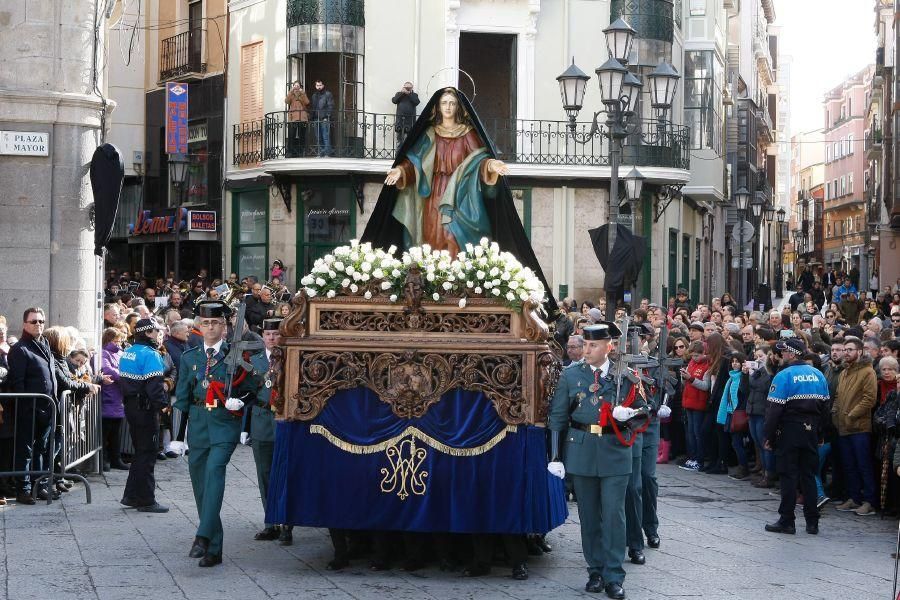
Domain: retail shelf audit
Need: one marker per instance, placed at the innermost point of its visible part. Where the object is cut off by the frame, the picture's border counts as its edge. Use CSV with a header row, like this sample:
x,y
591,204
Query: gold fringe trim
x,y
416,433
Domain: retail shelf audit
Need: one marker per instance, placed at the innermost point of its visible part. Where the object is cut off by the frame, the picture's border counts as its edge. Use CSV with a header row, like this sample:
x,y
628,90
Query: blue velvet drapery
x,y
505,489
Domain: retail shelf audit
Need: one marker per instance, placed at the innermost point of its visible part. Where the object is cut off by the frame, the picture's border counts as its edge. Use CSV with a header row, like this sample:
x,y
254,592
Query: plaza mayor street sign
x,y
25,143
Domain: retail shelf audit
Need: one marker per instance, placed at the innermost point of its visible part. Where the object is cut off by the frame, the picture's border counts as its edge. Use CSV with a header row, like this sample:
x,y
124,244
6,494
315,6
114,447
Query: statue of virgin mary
x,y
447,188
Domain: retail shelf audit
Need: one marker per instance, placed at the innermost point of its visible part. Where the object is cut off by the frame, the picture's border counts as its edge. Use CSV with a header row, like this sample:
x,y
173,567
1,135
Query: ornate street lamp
x,y
619,92
742,199
757,208
781,215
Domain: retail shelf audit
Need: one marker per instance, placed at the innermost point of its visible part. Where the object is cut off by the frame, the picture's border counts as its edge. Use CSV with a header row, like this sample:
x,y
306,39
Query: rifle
x,y
665,380
235,357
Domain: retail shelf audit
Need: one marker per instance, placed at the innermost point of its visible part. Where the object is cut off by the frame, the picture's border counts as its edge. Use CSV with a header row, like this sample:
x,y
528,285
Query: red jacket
x,y
691,397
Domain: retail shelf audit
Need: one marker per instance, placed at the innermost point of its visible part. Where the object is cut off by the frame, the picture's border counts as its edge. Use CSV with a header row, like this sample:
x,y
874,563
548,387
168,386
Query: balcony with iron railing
x,y
873,143
181,56
364,135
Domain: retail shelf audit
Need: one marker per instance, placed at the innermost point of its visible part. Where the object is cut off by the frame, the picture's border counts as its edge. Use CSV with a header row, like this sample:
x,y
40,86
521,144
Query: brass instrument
x,y
279,290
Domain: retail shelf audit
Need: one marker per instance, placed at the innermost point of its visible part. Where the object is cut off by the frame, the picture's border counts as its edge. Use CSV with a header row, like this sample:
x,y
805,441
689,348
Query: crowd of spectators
x,y
57,359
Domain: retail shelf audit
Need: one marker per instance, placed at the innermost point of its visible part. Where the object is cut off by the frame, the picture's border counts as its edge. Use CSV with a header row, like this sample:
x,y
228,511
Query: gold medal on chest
x,y
594,388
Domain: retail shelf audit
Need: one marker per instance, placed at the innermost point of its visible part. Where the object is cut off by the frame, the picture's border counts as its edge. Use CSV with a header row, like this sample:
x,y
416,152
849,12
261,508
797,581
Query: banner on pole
x,y
176,118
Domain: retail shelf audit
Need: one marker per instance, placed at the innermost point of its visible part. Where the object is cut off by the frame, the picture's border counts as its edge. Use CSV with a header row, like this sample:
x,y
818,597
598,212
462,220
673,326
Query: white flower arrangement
x,y
479,271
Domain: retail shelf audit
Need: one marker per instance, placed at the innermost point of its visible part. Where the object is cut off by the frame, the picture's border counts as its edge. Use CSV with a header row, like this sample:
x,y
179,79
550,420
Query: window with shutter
x,y
251,101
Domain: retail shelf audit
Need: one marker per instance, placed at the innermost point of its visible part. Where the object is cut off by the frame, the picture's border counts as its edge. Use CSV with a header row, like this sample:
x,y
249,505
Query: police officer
x,y
794,416
145,392
215,424
586,409
259,427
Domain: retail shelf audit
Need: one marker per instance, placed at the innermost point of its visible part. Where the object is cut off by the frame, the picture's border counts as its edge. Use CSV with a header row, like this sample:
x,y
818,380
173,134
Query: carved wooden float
x,y
410,353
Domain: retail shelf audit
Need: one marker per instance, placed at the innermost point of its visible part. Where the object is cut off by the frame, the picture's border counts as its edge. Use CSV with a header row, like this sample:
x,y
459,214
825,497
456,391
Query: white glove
x,y
177,447
664,412
245,438
623,413
558,469
234,404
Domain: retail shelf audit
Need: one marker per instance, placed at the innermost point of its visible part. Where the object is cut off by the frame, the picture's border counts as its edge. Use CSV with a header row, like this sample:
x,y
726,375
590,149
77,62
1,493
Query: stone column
x,y
46,85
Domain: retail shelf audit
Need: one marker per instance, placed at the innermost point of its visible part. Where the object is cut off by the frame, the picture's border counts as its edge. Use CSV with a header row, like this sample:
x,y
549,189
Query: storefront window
x,y
250,234
329,220
703,99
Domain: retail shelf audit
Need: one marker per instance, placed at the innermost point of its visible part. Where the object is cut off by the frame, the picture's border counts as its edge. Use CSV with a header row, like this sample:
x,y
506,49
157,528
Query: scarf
x,y
729,397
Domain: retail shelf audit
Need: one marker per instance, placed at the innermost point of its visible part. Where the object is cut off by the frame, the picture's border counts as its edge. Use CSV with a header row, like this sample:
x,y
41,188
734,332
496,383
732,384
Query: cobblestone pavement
x,y
713,546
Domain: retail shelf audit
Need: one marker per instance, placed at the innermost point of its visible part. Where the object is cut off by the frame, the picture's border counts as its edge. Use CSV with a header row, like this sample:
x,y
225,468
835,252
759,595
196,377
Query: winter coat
x,y
111,394
759,383
297,103
855,398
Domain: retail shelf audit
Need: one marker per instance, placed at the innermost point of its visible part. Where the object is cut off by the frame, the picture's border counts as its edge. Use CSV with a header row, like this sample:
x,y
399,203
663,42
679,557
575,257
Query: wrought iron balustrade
x,y
181,54
364,135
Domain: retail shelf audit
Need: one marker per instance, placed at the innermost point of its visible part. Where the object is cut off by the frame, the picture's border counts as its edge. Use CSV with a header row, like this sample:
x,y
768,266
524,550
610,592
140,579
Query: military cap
x,y
213,309
271,324
605,330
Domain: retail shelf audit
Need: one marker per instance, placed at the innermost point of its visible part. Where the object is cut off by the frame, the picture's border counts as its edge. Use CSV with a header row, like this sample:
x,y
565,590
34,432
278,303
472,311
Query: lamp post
x,y
619,92
178,167
756,209
741,202
781,215
769,211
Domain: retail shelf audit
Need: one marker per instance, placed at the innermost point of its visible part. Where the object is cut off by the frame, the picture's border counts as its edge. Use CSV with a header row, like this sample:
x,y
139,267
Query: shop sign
x,y
25,143
148,224
202,220
197,132
176,118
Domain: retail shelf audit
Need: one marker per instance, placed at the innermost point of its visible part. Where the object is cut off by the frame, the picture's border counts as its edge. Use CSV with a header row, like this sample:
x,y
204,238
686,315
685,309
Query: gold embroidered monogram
x,y
404,475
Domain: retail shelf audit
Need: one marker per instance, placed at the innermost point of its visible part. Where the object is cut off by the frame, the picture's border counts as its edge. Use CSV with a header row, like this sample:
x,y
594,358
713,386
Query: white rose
x,y
462,302
368,295
365,277
328,259
479,275
470,284
392,249
356,276
351,270
469,248
319,281
448,286
331,294
338,266
365,267
345,282
523,296
370,257
332,274
494,271
307,280
505,276
311,292
479,251
495,248
483,242
435,296
354,243
477,290
395,273
393,297
510,296
482,262
378,274
495,291
407,259
426,248
513,285
430,277
488,285
354,288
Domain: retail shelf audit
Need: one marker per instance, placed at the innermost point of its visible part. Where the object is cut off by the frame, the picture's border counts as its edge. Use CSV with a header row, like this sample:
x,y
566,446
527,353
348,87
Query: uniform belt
x,y
595,429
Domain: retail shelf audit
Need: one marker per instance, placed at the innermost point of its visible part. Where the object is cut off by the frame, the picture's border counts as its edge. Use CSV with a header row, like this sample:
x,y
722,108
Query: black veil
x,y
383,230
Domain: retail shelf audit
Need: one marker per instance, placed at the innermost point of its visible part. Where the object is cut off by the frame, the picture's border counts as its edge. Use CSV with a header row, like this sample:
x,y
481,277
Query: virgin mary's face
x,y
448,105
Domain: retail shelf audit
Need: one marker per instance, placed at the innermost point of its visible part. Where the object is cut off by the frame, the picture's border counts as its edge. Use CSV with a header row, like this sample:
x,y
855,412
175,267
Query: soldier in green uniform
x,y
586,410
259,427
215,423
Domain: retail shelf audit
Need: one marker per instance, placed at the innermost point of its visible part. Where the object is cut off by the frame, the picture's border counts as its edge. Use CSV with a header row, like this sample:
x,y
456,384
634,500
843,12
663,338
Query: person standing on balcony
x,y
298,118
407,101
322,107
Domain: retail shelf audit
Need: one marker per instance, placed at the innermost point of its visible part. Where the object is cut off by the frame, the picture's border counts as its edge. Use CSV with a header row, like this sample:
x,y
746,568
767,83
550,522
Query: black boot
x,y
287,535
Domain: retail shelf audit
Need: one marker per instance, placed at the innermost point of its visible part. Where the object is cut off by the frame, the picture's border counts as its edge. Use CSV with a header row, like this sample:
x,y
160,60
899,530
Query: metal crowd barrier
x,y
12,428
82,433
126,446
